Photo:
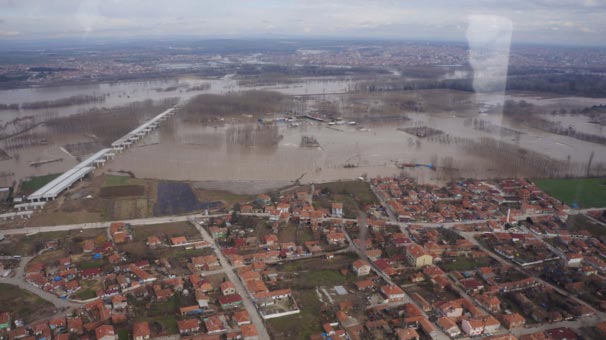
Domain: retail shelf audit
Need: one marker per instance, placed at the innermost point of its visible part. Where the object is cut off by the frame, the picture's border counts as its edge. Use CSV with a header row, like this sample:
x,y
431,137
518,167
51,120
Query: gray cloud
x,y
542,21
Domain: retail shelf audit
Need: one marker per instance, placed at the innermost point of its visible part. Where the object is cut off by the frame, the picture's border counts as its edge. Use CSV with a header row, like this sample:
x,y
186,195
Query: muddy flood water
x,y
187,152
205,154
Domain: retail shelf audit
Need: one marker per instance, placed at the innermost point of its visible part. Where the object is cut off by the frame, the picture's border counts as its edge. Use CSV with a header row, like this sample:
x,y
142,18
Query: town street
x,y
440,334
19,280
229,271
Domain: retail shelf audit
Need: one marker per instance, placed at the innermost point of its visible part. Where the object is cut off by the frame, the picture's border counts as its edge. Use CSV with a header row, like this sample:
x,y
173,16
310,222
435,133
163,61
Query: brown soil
x,y
122,191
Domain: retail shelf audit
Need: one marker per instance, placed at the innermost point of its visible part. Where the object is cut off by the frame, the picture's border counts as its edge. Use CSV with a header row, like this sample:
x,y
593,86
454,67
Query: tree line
x,y
62,102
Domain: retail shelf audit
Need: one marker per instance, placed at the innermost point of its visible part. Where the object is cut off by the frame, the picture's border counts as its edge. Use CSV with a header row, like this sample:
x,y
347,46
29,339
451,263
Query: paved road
x,y
581,322
94,225
19,280
229,271
440,334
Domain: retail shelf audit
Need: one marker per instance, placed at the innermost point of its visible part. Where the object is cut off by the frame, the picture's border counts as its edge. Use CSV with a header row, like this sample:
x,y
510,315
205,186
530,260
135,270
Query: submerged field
x,y
576,192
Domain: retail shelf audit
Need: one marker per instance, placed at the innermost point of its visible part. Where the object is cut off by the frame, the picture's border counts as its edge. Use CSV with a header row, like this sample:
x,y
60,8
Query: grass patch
x,y
123,334
37,182
129,208
160,313
161,308
304,235
29,245
358,189
85,294
91,264
229,198
465,263
188,253
168,322
576,192
353,194
64,217
165,230
322,278
582,222
300,326
25,305
113,181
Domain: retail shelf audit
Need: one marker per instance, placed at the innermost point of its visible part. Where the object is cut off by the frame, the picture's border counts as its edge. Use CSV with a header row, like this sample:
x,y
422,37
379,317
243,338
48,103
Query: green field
x,y
358,189
23,304
465,263
582,222
302,325
92,264
113,181
30,245
35,183
123,334
86,294
353,194
315,278
581,192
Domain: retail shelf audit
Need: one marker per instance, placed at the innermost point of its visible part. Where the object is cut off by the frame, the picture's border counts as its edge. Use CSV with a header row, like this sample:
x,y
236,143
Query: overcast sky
x,y
540,21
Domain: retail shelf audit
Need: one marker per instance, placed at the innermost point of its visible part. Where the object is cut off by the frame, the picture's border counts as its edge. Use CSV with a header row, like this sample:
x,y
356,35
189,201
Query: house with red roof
x,y
141,331
241,317
249,332
361,267
105,332
228,288
178,241
514,320
214,325
230,301
393,293
417,256
153,241
74,325
188,326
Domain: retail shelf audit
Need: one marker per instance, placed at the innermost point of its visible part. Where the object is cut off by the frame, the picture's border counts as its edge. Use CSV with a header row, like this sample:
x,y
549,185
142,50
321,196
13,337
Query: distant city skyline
x,y
558,22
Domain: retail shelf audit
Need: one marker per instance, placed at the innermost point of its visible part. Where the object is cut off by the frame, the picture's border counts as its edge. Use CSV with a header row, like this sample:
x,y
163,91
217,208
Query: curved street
x,y
18,279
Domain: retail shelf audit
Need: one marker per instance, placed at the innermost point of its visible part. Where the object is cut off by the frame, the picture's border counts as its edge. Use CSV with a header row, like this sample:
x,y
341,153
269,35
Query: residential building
x,y
214,325
249,332
228,288
188,326
141,331
153,241
417,256
472,327
361,267
241,317
407,334
337,209
514,320
105,332
449,326
393,293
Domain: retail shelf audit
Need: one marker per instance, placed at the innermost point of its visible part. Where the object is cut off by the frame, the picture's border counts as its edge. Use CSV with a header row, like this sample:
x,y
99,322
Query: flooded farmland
x,y
373,146
202,153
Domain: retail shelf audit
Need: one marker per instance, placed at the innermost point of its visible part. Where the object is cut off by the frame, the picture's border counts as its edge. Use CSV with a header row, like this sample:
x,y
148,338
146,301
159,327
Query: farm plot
x,y
122,191
178,198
